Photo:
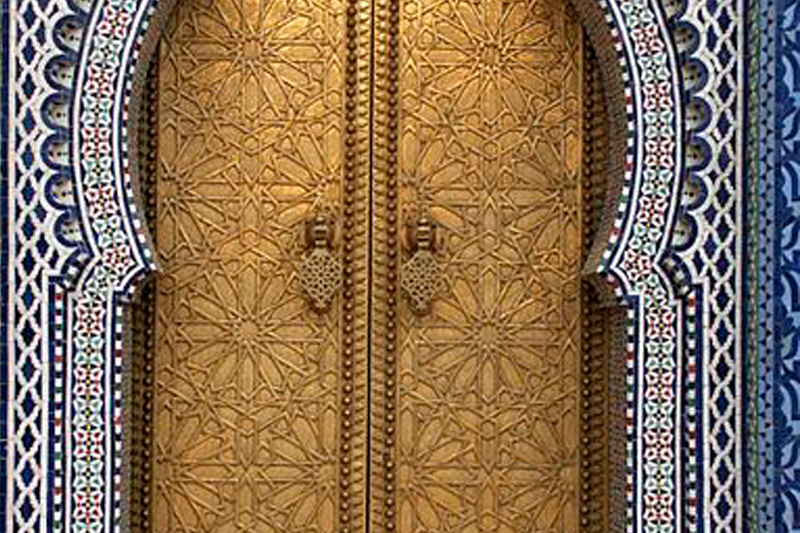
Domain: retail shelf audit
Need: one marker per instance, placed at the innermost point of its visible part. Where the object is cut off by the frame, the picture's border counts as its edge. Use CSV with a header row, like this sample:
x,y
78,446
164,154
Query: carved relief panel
x,y
248,378
487,381
369,226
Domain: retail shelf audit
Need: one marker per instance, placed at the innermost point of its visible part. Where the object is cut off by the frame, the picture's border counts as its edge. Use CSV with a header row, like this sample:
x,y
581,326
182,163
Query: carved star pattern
x,y
247,375
488,421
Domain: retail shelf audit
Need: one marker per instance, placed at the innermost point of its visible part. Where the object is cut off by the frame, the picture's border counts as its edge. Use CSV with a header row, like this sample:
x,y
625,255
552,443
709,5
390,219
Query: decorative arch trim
x,y
115,253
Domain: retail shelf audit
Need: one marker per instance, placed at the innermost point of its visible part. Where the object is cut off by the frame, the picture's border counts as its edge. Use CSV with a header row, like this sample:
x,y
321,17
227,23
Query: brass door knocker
x,y
421,275
320,271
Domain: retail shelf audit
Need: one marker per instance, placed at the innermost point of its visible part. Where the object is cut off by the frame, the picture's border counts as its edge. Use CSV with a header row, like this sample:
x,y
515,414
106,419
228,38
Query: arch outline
x,y
119,38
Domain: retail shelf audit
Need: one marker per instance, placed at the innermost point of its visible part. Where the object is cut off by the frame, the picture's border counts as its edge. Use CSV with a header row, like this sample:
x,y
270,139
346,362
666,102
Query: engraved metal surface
x,y
248,377
487,415
422,280
270,109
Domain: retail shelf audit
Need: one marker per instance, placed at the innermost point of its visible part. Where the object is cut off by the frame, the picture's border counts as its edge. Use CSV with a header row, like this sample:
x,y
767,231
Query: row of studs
x,y
143,348
594,352
391,62
348,300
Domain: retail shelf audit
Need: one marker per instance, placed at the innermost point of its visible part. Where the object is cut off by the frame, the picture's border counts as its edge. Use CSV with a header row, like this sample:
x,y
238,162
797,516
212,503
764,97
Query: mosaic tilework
x,y
757,240
46,245
4,261
786,370
761,308
711,38
102,256
93,383
651,190
41,240
692,387
774,440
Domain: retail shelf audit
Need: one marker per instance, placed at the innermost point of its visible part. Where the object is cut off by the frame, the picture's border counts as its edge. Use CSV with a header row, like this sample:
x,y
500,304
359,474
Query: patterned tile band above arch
x,y
653,161
104,187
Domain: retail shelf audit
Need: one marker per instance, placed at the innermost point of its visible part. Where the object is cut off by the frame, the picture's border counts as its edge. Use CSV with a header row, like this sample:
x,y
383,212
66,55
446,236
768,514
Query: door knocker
x,y
421,276
320,272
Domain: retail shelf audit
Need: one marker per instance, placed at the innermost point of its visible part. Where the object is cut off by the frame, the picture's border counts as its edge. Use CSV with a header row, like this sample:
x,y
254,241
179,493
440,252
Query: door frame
x,y
112,252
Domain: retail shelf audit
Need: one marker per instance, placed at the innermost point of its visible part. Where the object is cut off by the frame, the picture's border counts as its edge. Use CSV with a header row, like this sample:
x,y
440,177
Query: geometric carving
x,y
421,276
422,280
490,142
246,374
475,406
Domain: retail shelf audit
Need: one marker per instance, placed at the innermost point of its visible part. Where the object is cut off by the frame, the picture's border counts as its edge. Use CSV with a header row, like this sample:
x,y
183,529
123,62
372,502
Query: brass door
x,y
300,397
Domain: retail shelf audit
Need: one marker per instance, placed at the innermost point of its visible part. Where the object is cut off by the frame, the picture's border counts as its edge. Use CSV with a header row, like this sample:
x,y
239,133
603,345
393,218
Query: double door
x,y
369,230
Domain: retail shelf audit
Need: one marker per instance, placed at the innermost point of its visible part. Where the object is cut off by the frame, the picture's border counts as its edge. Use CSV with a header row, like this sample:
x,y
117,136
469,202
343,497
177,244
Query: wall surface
x,y
774,282
694,75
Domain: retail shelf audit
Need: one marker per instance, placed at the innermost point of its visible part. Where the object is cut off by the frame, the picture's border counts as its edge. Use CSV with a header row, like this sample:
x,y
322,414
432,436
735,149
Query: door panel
x,y
373,113
247,410
490,147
